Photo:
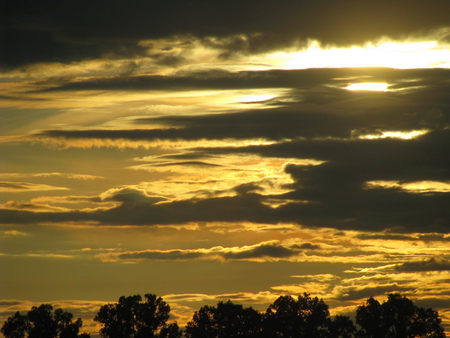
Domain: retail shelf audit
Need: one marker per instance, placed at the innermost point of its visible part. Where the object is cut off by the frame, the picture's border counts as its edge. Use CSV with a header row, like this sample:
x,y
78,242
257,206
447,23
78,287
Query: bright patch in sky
x,y
257,98
417,187
374,86
406,135
393,54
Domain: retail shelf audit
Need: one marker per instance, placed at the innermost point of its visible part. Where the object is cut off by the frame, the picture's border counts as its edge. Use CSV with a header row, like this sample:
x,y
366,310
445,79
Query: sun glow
x,y
382,53
373,86
405,135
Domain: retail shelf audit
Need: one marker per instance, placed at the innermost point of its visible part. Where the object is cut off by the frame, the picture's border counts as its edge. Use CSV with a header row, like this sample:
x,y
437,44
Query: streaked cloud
x,y
6,186
39,175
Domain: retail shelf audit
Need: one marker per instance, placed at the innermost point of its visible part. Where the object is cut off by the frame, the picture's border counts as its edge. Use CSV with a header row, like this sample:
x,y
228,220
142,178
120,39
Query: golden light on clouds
x,y
219,175
419,187
405,135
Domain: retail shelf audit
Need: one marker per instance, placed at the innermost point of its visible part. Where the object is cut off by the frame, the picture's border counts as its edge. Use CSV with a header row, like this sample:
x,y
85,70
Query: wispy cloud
x,y
6,186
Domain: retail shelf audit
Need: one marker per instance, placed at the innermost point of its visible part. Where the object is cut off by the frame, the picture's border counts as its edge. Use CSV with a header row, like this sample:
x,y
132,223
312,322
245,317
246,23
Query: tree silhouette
x,y
397,317
170,331
16,326
304,317
131,317
341,327
225,320
41,322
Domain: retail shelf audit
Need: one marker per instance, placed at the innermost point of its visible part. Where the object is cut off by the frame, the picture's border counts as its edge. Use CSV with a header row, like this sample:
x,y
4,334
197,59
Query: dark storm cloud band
x,y
50,30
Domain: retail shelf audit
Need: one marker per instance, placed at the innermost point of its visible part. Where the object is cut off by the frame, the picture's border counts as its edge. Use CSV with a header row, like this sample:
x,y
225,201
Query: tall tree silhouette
x,y
131,317
397,317
225,320
304,317
41,322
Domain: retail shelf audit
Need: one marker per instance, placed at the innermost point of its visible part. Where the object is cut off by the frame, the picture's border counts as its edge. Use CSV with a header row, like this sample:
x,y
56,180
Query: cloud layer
x,y
72,31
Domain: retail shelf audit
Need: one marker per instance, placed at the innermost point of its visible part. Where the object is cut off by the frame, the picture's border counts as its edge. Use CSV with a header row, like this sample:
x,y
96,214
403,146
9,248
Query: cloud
x,y
432,264
312,104
39,175
374,290
331,194
32,207
311,165
12,233
26,186
261,252
49,31
130,196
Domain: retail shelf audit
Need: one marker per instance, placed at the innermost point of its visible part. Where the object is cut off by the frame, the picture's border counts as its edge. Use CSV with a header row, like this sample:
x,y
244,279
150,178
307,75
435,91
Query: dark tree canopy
x,y
341,327
131,317
41,322
225,320
397,317
16,326
304,317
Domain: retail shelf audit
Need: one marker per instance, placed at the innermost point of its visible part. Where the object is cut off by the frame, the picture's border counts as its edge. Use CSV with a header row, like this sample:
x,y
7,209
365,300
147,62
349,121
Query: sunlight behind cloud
x,y
373,86
406,135
382,53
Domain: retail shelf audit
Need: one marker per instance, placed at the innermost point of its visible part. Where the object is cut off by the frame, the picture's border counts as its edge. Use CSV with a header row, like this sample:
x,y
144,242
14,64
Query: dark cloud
x,y
335,191
306,246
401,237
266,251
432,264
355,293
130,196
9,302
51,30
262,251
161,255
186,163
315,105
315,121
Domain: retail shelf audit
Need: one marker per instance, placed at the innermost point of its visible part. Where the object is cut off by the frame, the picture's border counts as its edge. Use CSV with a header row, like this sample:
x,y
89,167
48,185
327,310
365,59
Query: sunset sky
x,y
211,150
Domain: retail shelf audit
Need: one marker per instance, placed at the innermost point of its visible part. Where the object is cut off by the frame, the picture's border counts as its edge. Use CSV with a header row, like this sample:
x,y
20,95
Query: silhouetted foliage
x,y
225,320
133,318
341,327
397,317
16,326
41,322
304,317
171,331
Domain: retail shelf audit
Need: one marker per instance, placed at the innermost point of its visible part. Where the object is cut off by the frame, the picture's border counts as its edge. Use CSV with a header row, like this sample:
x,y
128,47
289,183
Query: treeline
x,y
304,316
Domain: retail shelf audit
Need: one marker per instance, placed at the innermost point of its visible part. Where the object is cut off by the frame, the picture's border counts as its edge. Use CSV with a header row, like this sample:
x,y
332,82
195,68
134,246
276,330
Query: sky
x,y
213,150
